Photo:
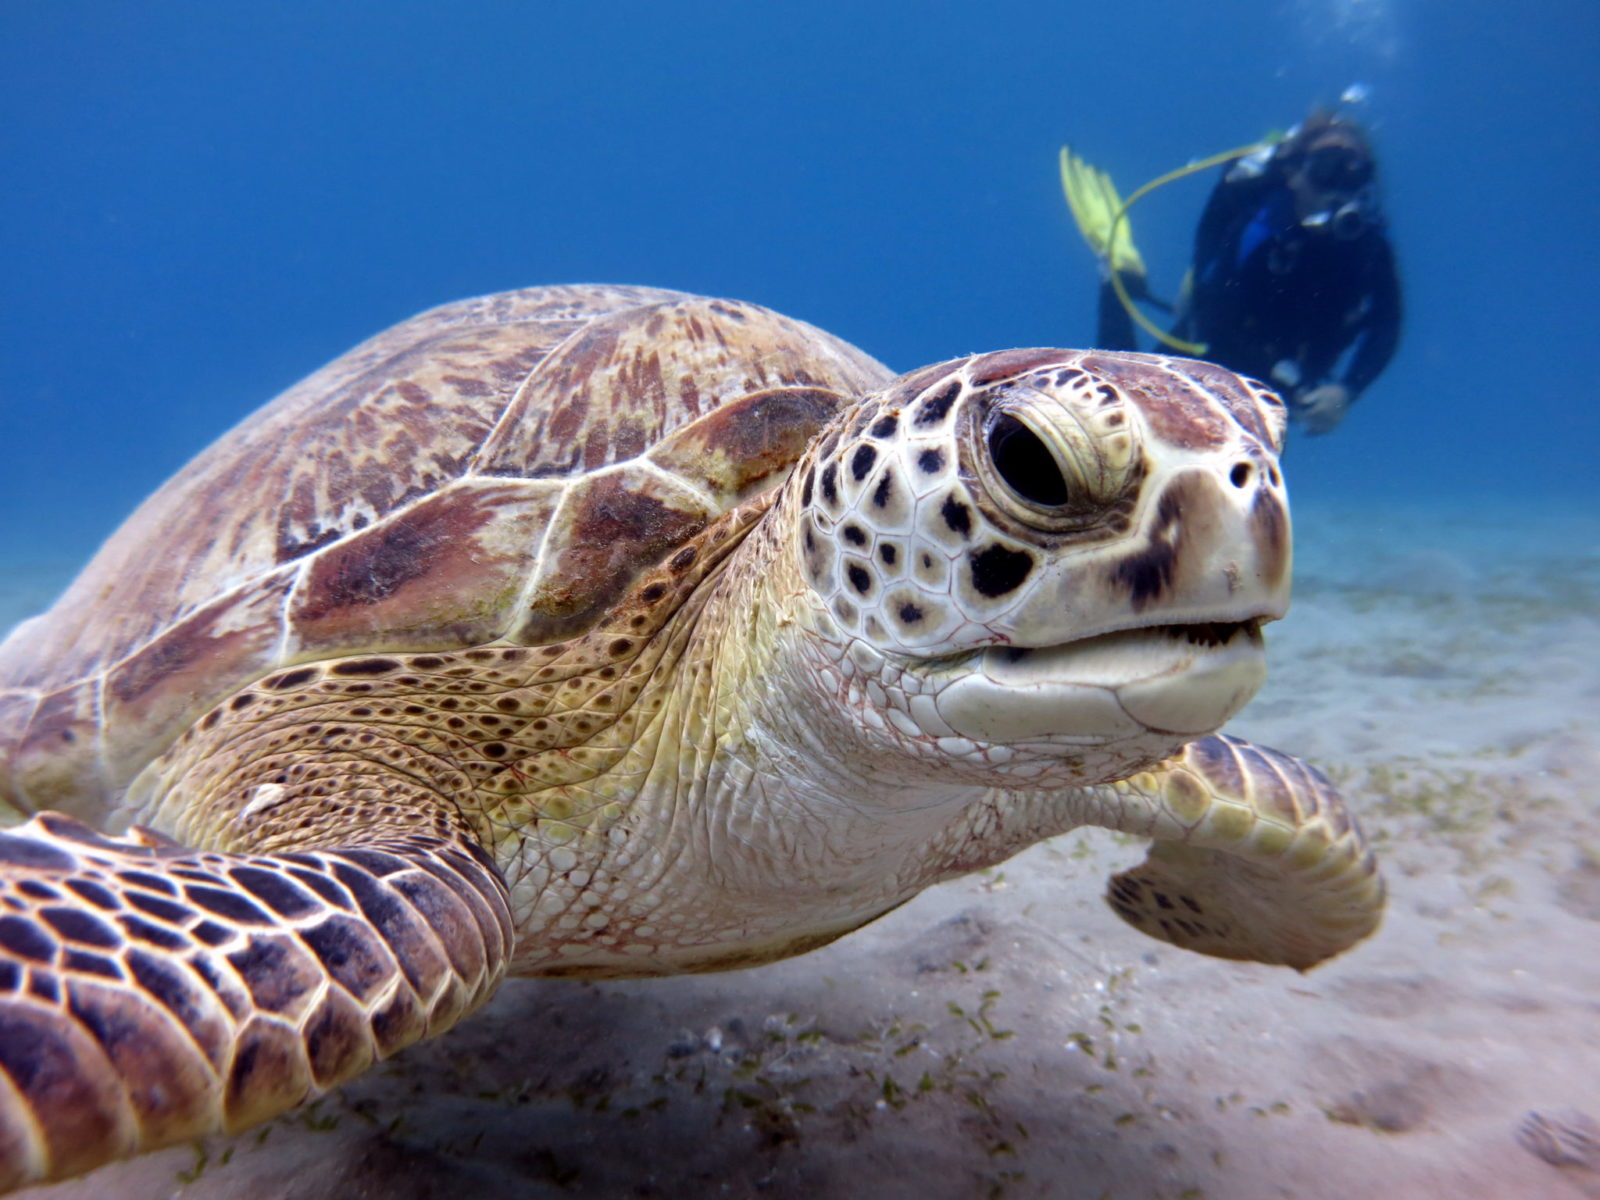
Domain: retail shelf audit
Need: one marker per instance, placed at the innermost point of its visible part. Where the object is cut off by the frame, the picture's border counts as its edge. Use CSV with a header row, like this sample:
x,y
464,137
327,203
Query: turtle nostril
x,y
1240,475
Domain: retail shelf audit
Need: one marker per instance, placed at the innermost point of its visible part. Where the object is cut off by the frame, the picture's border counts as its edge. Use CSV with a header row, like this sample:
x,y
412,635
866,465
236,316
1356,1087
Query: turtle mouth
x,y
1205,633
1217,633
1186,680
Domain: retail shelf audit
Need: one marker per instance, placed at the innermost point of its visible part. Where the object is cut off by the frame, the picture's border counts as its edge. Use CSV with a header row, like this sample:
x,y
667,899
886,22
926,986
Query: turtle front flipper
x,y
1255,857
151,994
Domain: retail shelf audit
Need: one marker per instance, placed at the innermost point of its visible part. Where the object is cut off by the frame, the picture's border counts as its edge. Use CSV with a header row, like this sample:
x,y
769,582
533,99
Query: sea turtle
x,y
608,631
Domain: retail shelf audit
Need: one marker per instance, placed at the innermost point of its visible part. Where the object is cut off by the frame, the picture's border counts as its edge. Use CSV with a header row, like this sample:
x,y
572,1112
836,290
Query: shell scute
x,y
501,468
452,569
609,528
632,377
735,449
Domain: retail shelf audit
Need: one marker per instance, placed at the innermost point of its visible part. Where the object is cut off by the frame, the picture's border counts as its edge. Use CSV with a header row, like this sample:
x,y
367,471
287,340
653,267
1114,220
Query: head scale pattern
x,y
914,545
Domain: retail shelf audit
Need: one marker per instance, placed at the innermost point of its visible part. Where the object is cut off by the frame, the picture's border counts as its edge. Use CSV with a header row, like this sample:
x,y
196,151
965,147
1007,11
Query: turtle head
x,y
1054,562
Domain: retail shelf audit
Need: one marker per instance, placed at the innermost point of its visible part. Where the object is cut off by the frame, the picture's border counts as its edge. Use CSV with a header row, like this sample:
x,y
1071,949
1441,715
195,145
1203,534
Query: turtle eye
x,y
1024,463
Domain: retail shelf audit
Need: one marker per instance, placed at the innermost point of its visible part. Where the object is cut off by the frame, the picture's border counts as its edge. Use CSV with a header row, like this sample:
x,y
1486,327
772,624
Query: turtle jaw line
x,y
1200,633
1146,688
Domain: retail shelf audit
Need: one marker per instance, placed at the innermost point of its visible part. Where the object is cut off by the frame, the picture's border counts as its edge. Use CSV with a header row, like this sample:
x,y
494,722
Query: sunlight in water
x,y
1371,26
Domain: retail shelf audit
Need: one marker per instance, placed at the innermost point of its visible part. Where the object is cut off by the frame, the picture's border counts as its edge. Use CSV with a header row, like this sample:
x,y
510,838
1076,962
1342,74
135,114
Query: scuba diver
x,y
1293,280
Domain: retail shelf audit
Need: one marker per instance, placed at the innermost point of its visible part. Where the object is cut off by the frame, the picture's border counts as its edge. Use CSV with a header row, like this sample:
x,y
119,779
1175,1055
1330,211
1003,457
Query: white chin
x,y
1182,680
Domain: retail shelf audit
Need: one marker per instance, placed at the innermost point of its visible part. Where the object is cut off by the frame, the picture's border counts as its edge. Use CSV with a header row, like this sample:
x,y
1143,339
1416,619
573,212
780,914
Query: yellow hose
x,y
1194,349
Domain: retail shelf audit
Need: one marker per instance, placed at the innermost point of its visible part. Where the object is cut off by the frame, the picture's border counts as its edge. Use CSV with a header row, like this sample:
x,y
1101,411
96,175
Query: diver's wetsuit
x,y
1266,289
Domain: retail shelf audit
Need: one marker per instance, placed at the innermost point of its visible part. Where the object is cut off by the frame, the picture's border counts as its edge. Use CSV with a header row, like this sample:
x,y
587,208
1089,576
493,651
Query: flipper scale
x,y
151,994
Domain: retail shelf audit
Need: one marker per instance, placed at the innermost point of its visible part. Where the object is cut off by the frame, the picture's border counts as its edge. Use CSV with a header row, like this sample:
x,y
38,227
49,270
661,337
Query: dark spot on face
x,y
1147,574
805,486
365,666
998,569
930,462
859,578
910,613
495,749
956,516
934,408
653,592
888,553
242,700
830,483
683,559
1269,530
884,427
861,462
854,535
427,662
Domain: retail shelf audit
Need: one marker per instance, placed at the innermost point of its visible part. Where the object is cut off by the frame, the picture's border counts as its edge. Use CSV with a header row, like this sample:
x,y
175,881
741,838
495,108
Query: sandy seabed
x,y
1006,1036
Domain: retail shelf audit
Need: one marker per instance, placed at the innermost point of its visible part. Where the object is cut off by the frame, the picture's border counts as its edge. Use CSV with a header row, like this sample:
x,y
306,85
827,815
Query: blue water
x,y
202,202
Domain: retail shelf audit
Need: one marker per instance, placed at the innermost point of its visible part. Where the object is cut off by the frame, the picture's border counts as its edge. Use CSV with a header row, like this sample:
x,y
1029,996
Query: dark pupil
x,y
1025,463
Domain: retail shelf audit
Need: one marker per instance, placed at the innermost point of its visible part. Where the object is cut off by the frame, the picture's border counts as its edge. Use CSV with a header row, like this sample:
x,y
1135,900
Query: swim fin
x,y
1102,218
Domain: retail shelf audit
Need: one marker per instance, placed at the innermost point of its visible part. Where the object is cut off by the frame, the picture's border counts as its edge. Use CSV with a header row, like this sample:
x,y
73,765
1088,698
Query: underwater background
x,y
205,201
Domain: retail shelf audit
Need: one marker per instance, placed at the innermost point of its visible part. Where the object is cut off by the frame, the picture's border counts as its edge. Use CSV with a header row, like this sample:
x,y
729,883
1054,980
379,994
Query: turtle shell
x,y
496,469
